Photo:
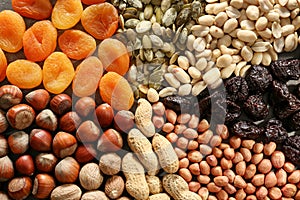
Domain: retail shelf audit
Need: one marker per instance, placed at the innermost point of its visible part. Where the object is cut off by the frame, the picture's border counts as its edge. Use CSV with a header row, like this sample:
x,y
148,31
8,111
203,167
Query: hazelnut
x,y
10,95
38,99
105,115
289,167
3,146
42,186
4,196
60,104
19,188
69,122
264,166
222,131
25,165
40,140
67,170
3,122
45,162
110,141
85,106
203,126
250,171
275,193
87,132
194,156
184,163
6,169
229,153
20,116
269,148
194,168
261,192
258,179
271,180
277,159
110,163
221,181
216,171
46,119
85,153
294,177
124,120
235,142
95,195
230,175
222,194
90,176
64,144
213,188
212,160
281,176
66,191
18,142
289,190
239,182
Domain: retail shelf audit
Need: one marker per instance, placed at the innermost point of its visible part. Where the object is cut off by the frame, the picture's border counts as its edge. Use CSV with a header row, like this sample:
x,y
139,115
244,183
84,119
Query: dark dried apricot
x,y
35,9
3,65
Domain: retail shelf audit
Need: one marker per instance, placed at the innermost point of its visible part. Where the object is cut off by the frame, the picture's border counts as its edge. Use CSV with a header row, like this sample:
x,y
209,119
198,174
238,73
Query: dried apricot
x,y
114,56
116,91
35,9
66,14
12,28
58,72
24,73
90,2
3,65
39,41
87,77
100,20
76,44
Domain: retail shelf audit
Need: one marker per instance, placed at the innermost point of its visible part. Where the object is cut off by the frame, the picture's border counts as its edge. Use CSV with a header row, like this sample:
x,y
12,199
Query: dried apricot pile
x,y
35,9
3,65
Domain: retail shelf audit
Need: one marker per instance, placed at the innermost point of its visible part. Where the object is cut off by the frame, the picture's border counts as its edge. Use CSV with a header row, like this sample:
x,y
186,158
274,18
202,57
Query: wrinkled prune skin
x,y
286,70
288,107
177,103
293,122
228,109
280,91
291,148
256,108
297,91
275,132
237,89
258,79
246,129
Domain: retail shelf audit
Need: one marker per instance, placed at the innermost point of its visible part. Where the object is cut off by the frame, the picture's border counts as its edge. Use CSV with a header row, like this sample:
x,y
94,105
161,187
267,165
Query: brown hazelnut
x,y
69,122
42,186
38,99
46,119
67,170
60,104
6,169
277,159
3,122
66,191
124,120
45,162
111,140
85,106
40,140
110,163
64,144
25,165
10,95
20,116
85,153
90,176
95,195
19,188
105,115
18,142
114,187
87,132
3,146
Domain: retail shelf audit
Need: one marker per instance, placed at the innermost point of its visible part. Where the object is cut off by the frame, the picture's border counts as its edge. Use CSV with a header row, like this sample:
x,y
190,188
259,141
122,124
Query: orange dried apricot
x,y
116,91
114,56
100,20
87,77
76,44
58,72
24,73
66,14
12,28
35,9
39,41
3,65
90,2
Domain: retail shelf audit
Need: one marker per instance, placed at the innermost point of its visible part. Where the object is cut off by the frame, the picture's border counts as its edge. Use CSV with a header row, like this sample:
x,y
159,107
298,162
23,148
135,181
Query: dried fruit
x,y
291,148
35,9
177,103
275,132
259,78
288,107
256,108
286,70
246,129
280,91
3,65
237,89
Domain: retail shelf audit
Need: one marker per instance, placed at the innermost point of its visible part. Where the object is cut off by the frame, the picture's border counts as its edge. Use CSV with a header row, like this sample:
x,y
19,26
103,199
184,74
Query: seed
x,y
181,75
266,60
246,36
220,7
252,12
230,25
136,3
276,30
191,57
172,81
220,19
227,71
156,41
257,58
190,42
265,5
169,17
279,45
216,32
199,44
131,23
165,5
224,61
143,27
184,89
261,23
152,95
148,11
146,42
232,12
211,76
206,20
290,43
261,46
183,62
167,91
194,72
200,30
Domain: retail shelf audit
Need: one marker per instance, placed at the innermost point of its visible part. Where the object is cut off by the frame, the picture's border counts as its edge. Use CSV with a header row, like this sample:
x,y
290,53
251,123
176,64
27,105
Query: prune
x,y
256,108
258,79
288,107
237,89
275,132
280,91
293,122
246,129
297,91
286,70
177,103
291,148
227,110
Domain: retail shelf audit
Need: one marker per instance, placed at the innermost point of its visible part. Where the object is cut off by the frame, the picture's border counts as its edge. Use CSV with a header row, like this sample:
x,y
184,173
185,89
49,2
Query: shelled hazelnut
x,y
66,191
85,153
18,142
87,132
43,185
3,146
85,106
90,176
20,116
45,162
20,187
46,119
64,144
6,169
10,95
110,141
3,122
38,99
69,122
67,170
61,104
40,140
25,165
105,115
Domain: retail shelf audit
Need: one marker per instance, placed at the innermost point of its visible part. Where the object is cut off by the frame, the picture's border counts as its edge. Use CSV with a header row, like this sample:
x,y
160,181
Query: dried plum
x,y
246,129
297,91
293,122
177,103
275,132
258,79
280,91
228,109
286,70
288,107
291,148
237,89
256,108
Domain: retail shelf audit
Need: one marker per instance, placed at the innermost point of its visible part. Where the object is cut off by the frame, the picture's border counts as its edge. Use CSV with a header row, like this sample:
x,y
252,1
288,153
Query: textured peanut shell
x,y
154,184
94,195
143,115
160,196
66,192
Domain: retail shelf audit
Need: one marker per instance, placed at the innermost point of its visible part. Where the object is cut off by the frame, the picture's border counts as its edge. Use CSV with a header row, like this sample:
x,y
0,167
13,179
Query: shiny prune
x,y
291,148
288,107
256,108
246,129
280,91
237,89
275,132
293,122
177,103
258,79
226,110
286,70
297,91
